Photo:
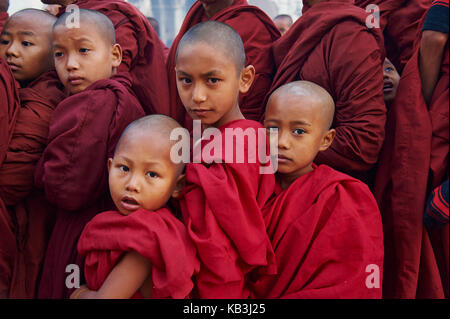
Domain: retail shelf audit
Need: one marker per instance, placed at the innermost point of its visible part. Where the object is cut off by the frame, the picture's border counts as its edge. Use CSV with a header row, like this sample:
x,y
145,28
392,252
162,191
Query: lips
x,y
200,112
14,66
129,203
388,87
75,80
283,159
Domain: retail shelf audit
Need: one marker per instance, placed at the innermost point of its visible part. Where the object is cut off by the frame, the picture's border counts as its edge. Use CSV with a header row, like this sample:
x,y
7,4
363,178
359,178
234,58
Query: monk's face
x,y
302,132
390,79
282,24
26,46
141,174
83,56
209,84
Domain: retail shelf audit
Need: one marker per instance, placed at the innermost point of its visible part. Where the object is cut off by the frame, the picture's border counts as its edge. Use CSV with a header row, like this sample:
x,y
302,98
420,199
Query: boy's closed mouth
x,y
13,66
129,203
75,80
200,111
282,158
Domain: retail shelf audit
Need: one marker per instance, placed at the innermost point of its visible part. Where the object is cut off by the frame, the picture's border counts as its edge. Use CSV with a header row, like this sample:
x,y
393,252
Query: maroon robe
x,y
331,46
257,41
143,53
157,236
84,131
326,230
414,160
3,17
221,207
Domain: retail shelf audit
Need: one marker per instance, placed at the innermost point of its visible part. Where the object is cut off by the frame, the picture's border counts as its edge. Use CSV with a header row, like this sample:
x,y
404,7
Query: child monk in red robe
x,y
257,31
25,45
142,50
416,258
331,45
221,205
325,226
4,5
84,131
391,79
141,250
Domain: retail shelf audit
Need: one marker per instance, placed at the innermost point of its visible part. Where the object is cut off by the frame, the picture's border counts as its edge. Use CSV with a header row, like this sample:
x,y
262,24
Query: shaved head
x,y
315,94
219,36
100,21
42,18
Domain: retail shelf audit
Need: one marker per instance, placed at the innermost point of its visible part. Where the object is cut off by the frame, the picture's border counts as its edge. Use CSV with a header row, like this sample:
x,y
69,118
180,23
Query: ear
x,y
327,139
246,79
179,186
110,160
116,52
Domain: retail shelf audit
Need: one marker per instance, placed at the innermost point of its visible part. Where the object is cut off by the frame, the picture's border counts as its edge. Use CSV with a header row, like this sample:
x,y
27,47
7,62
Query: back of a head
x,y
218,36
100,21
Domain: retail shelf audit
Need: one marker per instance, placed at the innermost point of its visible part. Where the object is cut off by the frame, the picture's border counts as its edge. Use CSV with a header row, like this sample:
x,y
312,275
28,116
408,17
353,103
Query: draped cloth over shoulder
x,y
331,46
221,208
84,131
143,54
157,236
328,239
257,32
414,161
3,17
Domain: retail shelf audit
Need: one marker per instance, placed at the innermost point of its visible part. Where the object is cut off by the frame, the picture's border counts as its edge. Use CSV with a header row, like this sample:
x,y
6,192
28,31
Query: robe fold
x,y
331,46
143,53
257,41
400,23
3,17
72,171
221,207
326,230
157,236
413,161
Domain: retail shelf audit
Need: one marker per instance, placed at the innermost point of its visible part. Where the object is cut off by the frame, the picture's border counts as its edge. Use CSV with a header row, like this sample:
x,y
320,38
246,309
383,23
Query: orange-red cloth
x,y
143,53
84,131
400,23
257,31
157,236
414,160
331,46
328,239
3,17
221,207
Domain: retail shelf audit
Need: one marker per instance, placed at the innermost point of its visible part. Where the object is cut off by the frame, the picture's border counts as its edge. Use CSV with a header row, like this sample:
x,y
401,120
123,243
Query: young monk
x,y
4,5
143,55
25,45
141,250
331,45
325,226
84,130
416,259
283,22
221,205
390,80
257,41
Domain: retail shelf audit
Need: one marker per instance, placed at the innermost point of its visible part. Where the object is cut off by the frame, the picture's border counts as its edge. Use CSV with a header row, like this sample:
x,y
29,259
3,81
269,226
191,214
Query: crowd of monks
x,y
56,139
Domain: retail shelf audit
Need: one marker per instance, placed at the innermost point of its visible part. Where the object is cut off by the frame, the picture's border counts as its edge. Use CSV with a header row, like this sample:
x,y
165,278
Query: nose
x,y
133,184
72,63
198,94
13,49
283,140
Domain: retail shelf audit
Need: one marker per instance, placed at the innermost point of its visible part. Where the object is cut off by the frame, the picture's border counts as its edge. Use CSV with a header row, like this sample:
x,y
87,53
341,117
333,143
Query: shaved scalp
x,y
101,22
315,93
218,36
42,17
284,17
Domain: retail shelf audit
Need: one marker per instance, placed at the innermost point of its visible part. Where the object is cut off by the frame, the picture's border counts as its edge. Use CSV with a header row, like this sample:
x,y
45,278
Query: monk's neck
x,y
213,8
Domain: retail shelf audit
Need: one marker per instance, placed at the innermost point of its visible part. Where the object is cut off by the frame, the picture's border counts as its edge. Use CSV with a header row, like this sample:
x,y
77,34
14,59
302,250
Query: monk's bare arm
x,y
431,52
125,279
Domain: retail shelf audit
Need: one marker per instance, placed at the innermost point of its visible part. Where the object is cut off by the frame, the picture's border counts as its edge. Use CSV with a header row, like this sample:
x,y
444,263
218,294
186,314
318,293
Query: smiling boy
x,y
325,226
157,258
84,130
221,205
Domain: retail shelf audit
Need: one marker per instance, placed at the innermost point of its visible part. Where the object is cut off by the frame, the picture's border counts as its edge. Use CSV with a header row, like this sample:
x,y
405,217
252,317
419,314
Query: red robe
x,y
158,236
325,229
33,218
257,41
3,17
414,160
9,109
400,23
84,131
143,53
331,46
221,208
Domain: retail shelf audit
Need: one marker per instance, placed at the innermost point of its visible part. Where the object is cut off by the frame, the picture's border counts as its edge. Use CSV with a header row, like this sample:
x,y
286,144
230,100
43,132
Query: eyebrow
x,y
146,162
292,122
210,73
29,33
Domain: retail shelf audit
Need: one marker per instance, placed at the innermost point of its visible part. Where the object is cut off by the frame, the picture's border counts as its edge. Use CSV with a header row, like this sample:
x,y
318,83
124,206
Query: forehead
x,y
28,24
287,107
214,57
86,31
144,142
